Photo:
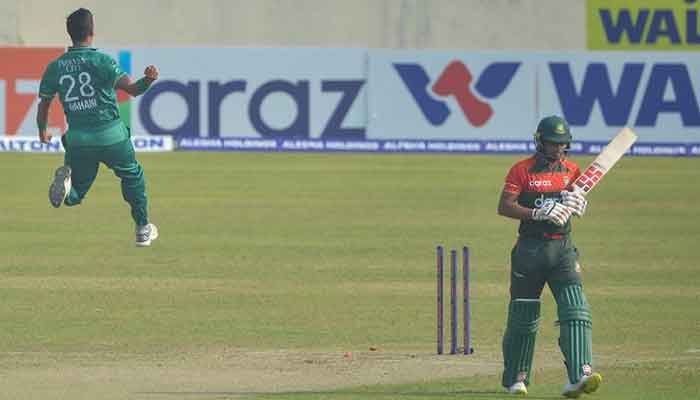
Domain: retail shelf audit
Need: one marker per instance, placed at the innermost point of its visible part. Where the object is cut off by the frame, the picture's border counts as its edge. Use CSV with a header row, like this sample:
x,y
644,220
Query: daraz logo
x,y
456,80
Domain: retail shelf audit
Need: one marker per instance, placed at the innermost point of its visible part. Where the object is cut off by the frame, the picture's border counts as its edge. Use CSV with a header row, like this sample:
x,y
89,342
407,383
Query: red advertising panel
x,y
20,74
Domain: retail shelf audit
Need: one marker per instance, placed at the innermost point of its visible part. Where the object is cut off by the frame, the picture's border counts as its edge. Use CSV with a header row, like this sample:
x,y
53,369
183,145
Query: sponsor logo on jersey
x,y
540,201
540,183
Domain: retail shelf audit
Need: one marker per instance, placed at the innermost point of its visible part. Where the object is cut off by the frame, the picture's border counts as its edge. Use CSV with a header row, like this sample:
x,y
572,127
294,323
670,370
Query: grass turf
x,y
329,252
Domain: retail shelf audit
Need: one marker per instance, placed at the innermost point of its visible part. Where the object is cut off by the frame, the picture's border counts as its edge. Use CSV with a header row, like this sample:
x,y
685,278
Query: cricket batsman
x,y
537,192
85,80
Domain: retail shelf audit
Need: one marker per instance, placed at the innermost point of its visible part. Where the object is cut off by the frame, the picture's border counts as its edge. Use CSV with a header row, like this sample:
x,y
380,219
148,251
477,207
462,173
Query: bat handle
x,y
578,189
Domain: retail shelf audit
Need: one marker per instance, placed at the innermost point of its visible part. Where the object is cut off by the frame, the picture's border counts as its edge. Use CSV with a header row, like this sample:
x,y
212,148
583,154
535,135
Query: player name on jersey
x,y
82,105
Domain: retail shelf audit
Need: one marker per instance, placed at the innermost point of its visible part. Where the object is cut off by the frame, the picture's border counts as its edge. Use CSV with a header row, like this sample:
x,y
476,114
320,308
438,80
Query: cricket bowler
x,y
86,81
537,192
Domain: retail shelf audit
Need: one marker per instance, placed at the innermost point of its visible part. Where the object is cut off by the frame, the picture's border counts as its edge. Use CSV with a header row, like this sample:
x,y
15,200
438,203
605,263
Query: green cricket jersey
x,y
84,79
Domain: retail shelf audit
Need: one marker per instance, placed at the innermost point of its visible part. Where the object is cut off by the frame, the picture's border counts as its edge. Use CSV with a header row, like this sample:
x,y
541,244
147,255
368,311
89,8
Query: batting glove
x,y
575,201
553,212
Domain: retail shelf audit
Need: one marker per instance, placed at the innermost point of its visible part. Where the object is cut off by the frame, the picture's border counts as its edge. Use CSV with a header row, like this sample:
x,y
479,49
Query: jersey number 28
x,y
84,87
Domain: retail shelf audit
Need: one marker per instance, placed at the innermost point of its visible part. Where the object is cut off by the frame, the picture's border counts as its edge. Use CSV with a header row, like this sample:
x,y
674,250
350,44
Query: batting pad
x,y
575,331
519,340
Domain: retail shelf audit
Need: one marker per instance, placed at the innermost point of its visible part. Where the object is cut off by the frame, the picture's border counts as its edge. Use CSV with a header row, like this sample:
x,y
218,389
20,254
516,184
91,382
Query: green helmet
x,y
552,129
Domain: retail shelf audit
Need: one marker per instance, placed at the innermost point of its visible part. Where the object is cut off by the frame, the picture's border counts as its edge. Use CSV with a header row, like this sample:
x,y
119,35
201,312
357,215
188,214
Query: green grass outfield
x,y
277,265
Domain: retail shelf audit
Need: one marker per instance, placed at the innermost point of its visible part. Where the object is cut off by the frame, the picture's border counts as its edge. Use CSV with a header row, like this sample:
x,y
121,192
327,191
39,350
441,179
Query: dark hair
x,y
80,25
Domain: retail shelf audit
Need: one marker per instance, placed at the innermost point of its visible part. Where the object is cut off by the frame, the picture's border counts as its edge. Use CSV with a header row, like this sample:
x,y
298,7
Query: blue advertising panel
x,y
493,100
451,95
334,100
217,93
655,94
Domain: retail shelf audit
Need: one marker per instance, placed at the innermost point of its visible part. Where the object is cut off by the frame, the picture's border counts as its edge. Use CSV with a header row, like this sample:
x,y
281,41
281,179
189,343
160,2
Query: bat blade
x,y
607,158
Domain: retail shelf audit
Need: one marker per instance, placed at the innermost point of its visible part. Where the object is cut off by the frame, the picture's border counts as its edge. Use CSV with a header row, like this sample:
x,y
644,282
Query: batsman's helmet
x,y
553,129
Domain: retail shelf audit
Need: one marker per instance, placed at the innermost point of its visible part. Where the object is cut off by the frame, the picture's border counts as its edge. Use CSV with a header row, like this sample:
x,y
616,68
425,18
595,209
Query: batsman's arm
x,y
140,86
508,206
42,119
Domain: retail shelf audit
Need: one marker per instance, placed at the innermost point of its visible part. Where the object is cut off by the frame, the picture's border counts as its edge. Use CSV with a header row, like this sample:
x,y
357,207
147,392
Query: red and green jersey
x,y
84,80
534,180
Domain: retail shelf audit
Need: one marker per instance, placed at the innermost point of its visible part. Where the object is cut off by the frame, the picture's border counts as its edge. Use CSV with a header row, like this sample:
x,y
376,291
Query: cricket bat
x,y
605,161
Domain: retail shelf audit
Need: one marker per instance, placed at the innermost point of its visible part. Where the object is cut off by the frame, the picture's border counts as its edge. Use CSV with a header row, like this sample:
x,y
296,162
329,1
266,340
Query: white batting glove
x,y
553,212
575,201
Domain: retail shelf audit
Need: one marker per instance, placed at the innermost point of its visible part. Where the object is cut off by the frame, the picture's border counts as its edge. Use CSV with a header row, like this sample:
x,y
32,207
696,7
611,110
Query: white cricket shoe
x,y
587,384
60,187
518,388
145,234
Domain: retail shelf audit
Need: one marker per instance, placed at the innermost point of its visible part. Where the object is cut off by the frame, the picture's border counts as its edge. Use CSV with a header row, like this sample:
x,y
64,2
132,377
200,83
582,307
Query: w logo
x,y
456,81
